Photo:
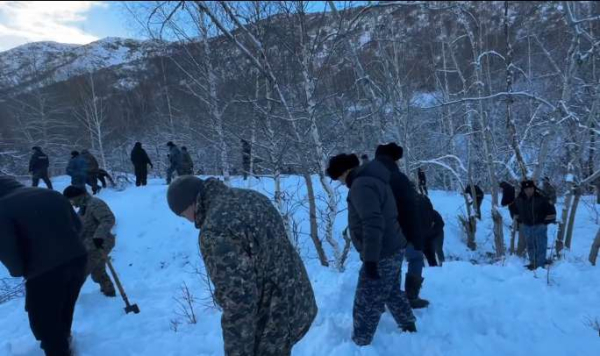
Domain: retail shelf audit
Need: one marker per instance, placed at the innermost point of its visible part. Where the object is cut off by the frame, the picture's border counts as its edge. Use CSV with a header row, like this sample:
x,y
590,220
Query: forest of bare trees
x,y
475,93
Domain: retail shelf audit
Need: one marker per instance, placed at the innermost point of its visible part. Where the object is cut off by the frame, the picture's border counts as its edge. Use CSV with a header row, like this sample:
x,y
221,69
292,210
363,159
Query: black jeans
x,y
43,175
141,175
50,303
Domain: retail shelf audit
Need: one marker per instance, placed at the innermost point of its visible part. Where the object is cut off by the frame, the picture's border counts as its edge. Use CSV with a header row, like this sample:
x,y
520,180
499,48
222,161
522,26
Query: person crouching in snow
x,y
535,212
98,220
260,280
376,235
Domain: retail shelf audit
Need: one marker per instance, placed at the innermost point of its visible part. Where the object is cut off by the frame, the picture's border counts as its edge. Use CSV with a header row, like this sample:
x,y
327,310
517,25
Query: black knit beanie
x,y
183,192
340,164
391,150
72,191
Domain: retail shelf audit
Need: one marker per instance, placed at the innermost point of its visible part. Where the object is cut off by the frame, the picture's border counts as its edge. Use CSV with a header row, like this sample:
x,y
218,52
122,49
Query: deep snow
x,y
477,308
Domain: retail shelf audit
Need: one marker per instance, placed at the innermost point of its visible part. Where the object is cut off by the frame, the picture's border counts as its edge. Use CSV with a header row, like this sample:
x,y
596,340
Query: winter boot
x,y
410,328
413,286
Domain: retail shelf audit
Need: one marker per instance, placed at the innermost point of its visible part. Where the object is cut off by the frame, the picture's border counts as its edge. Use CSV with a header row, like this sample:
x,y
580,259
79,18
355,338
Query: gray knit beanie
x,y
183,192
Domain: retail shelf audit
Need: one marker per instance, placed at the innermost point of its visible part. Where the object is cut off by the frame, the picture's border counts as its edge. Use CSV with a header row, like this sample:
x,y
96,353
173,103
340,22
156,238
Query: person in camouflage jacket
x,y
97,220
260,280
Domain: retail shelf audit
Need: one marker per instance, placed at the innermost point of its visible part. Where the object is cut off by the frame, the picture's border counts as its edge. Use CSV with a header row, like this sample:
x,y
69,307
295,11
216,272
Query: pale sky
x,y
78,22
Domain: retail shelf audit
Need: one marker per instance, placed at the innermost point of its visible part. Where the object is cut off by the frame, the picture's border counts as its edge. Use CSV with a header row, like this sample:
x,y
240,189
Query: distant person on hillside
x,y
260,280
40,241
549,191
378,238
422,182
409,216
246,157
187,164
77,169
93,169
478,196
535,212
38,167
140,161
175,160
98,220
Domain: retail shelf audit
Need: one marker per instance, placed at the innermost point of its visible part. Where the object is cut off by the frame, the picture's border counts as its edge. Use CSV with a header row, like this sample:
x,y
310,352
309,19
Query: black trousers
x,y
43,175
50,303
141,175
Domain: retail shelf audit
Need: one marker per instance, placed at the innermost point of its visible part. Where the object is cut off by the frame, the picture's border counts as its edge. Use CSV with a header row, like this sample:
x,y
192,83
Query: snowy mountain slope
x,y
477,309
40,63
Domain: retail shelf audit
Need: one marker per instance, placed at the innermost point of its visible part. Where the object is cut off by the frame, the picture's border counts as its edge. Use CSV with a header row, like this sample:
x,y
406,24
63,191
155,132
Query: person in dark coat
x,y
93,169
535,212
478,195
378,238
508,198
422,182
187,164
175,160
77,169
38,167
141,161
406,199
434,241
39,241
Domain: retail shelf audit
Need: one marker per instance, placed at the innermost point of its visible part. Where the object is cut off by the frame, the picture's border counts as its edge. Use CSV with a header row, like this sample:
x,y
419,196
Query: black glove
x,y
371,270
98,243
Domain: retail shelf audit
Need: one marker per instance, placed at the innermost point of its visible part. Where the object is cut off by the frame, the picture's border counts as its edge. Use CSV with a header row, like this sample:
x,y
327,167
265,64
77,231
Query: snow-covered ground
x,y
477,308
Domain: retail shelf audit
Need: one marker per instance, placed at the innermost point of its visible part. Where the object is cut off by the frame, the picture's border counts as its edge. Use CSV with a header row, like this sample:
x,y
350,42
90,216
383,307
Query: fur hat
x,y
36,148
72,191
340,164
391,150
183,192
170,144
527,184
74,153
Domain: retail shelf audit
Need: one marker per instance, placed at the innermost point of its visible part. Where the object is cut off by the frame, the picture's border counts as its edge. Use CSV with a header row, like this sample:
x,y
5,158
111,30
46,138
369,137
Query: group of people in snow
x,y
259,278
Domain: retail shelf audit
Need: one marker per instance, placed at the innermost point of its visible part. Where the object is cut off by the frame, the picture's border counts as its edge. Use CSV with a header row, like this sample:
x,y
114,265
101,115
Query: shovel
x,y
128,307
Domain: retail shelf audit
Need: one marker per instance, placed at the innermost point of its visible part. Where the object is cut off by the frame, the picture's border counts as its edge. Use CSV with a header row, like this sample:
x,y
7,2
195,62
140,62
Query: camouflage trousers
x,y
373,296
97,266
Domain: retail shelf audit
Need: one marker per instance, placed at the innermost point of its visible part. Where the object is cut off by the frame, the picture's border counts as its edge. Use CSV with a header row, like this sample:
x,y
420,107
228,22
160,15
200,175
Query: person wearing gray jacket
x,y
377,237
175,161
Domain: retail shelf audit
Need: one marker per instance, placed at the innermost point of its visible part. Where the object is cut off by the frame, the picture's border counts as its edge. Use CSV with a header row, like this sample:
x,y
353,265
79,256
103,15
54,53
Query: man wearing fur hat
x,y
407,204
259,278
534,212
376,235
97,220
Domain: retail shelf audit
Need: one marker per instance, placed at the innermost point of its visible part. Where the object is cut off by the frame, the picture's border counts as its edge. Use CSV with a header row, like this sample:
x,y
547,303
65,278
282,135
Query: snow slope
x,y
477,308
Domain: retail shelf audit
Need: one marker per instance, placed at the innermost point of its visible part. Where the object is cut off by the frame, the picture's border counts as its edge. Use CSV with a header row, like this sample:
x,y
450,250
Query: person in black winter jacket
x,y
38,167
478,196
140,161
407,204
422,182
434,241
508,198
377,236
39,240
535,212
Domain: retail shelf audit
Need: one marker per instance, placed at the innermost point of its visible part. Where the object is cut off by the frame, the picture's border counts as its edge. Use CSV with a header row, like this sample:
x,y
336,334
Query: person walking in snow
x,y
97,220
77,169
260,280
535,212
39,240
187,164
434,241
407,205
478,197
175,160
378,238
141,161
92,170
422,181
38,167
